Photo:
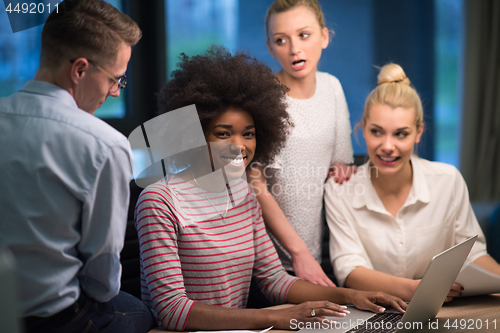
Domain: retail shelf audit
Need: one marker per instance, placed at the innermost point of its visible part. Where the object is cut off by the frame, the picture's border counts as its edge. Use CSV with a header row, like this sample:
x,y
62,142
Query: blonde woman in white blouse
x,y
399,210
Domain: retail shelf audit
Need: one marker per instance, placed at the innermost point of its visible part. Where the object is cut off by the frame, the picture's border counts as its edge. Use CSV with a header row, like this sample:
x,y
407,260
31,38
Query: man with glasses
x,y
66,177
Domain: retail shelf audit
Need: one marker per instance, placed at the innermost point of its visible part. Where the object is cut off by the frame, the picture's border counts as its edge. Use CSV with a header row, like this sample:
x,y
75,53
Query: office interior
x,y
450,50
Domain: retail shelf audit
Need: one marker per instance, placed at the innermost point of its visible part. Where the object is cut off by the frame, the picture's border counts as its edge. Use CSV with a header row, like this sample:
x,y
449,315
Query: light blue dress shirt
x,y
64,198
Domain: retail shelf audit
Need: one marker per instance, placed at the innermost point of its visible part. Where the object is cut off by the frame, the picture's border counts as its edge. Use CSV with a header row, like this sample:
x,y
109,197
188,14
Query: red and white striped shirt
x,y
189,253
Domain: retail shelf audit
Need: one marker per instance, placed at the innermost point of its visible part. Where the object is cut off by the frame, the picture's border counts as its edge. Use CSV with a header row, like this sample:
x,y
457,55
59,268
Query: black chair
x,y
129,258
494,234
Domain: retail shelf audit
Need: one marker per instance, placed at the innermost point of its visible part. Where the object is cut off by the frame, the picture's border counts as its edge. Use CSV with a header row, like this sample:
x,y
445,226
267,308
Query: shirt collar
x,y
419,189
364,192
49,89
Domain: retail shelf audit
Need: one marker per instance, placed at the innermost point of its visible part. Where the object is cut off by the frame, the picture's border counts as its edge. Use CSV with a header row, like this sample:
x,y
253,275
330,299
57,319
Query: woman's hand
x,y
370,300
341,172
456,290
308,269
315,311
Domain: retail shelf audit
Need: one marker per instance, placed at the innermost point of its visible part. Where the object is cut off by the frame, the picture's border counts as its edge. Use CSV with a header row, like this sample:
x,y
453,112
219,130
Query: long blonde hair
x,y
280,6
395,91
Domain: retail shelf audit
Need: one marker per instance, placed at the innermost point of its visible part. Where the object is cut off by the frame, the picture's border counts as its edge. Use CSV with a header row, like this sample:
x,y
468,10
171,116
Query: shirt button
x,y
400,243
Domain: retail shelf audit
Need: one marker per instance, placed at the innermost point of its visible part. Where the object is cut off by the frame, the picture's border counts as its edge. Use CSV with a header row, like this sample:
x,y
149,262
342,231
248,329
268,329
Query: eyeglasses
x,y
120,82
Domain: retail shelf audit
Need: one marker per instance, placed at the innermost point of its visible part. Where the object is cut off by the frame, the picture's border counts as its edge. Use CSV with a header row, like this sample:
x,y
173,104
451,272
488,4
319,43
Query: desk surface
x,y
467,314
472,311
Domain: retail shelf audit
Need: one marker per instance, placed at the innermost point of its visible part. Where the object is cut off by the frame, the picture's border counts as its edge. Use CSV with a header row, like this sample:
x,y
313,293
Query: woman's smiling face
x,y
232,142
390,135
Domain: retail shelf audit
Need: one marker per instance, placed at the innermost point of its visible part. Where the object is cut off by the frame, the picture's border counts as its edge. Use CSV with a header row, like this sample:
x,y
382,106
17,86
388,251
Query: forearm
x,y
362,278
277,223
304,264
274,218
210,317
488,263
303,291
207,317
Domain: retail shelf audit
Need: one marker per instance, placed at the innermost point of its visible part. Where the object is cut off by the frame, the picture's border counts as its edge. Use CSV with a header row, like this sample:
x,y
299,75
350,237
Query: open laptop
x,y
425,304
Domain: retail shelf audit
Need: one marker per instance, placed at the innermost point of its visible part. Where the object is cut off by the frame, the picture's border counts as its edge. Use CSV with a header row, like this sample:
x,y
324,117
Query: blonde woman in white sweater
x,y
290,190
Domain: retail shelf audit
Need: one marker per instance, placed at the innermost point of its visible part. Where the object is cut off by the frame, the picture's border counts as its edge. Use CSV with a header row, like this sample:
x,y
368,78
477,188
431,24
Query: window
x,y
19,55
447,108
429,49
19,59
193,25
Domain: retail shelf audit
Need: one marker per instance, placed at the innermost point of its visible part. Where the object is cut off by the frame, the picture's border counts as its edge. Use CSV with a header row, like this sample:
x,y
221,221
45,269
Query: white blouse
x,y
436,215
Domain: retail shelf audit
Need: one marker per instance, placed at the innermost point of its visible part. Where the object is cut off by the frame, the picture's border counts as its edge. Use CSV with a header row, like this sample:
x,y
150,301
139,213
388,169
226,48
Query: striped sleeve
x,y
162,281
270,274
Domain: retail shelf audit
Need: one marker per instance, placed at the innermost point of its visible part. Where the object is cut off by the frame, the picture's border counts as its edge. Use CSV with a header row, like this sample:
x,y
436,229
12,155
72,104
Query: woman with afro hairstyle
x,y
201,232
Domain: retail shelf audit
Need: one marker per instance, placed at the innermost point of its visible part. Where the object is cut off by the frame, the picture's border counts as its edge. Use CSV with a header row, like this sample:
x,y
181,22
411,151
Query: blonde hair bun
x,y
394,90
392,73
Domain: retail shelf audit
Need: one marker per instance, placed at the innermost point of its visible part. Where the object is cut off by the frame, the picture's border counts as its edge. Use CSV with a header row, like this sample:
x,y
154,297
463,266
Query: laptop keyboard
x,y
384,323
